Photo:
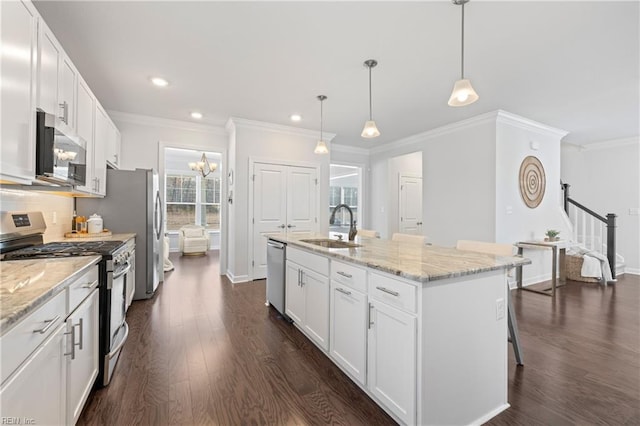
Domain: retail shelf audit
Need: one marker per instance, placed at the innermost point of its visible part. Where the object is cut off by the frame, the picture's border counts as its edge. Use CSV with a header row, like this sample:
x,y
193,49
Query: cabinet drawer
x,y
350,275
317,263
81,288
393,292
20,341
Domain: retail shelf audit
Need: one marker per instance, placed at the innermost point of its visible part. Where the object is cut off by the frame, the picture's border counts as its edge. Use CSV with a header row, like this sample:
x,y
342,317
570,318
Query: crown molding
x,y
236,122
504,117
348,149
409,141
608,144
147,120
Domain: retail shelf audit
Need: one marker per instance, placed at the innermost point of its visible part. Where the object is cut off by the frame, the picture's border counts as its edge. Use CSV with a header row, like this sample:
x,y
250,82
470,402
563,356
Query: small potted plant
x,y
552,235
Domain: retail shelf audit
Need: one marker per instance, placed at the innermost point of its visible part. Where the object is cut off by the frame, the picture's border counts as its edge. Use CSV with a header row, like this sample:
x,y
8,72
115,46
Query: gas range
x,y
66,249
21,237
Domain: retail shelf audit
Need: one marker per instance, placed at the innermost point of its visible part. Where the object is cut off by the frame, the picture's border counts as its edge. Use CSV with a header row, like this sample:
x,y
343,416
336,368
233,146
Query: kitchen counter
x,y
410,261
114,237
25,285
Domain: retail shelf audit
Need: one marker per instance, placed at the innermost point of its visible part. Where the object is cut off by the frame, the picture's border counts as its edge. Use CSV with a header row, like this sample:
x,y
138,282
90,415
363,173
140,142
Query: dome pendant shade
x,y
321,148
370,130
463,94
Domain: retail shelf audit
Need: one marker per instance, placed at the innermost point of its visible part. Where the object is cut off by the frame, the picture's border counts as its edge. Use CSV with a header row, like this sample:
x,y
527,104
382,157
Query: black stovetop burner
x,y
65,249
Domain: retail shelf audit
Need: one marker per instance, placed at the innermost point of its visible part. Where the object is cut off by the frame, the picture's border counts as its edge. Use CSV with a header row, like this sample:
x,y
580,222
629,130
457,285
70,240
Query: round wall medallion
x,y
532,182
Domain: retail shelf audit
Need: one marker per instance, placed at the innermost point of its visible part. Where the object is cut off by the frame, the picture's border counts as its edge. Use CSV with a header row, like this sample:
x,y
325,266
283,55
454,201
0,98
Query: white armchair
x,y
194,239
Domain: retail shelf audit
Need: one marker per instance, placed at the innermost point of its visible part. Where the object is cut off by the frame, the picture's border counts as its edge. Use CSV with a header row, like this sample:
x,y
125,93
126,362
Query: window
x,y
192,200
344,188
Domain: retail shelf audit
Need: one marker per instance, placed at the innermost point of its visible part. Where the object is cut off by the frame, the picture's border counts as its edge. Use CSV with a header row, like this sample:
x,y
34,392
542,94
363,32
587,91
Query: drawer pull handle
x,y
49,323
90,285
343,291
386,290
344,274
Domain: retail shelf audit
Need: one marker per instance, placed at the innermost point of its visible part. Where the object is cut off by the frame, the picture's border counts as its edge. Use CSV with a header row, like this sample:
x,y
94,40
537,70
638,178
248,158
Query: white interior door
x,y
410,209
269,210
301,199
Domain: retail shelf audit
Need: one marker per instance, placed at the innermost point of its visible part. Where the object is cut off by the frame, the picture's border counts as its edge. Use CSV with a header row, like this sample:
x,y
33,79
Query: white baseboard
x,y
632,271
237,279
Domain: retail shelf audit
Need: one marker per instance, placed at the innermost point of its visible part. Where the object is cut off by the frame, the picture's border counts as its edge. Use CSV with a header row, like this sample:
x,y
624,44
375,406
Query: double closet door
x,y
285,199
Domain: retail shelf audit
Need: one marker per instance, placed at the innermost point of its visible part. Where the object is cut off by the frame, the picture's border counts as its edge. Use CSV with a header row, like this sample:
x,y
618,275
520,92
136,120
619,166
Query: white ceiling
x,y
572,65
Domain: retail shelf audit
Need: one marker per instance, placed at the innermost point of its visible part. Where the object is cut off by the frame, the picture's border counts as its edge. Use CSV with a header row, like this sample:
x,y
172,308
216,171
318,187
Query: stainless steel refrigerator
x,y
133,204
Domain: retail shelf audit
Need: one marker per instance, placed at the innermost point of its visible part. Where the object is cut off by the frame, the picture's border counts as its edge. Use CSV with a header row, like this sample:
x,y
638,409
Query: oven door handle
x,y
123,272
115,350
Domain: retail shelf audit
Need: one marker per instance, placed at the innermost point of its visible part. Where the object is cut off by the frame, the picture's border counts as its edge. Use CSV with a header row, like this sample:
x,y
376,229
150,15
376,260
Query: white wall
x,y
605,177
459,184
274,143
517,138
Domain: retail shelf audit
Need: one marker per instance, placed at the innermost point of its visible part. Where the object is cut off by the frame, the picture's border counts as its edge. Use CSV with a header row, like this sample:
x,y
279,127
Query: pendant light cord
x,y
462,50
370,108
321,102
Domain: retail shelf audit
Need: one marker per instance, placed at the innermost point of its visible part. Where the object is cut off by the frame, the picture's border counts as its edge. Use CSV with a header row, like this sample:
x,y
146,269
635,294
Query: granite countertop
x,y
414,262
25,285
115,237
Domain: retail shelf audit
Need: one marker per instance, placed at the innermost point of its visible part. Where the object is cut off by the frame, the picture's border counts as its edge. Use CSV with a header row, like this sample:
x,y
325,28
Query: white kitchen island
x,y
421,329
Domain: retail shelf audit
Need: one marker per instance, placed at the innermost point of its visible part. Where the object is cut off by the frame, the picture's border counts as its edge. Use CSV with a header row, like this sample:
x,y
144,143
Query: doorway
x,y
192,194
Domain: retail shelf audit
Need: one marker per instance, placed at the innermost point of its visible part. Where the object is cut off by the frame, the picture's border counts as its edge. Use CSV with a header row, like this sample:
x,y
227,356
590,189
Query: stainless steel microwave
x,y
60,159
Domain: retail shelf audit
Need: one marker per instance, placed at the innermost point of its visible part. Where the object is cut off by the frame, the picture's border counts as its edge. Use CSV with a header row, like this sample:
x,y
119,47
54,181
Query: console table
x,y
559,251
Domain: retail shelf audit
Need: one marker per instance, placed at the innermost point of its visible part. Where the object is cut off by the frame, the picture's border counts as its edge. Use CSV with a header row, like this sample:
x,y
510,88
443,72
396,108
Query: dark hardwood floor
x,y
205,351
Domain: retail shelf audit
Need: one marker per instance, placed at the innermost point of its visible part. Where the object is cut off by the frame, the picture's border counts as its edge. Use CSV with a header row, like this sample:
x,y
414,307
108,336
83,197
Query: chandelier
x,y
203,166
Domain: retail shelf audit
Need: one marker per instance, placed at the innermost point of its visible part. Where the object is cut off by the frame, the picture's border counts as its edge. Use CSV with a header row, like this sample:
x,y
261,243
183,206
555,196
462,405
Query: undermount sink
x,y
327,243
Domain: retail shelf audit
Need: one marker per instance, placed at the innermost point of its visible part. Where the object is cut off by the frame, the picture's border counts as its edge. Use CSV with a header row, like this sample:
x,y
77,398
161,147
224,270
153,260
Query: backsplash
x,y
55,208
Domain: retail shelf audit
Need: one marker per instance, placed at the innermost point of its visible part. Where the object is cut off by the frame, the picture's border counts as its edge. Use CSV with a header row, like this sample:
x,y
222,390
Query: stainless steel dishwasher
x,y
276,256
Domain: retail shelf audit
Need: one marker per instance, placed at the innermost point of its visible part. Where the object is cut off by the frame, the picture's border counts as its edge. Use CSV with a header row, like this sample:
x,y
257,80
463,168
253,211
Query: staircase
x,y
593,231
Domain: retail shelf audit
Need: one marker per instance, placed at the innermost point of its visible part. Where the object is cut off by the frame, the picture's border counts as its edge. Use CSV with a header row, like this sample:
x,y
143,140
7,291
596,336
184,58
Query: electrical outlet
x,y
499,309
54,218
634,211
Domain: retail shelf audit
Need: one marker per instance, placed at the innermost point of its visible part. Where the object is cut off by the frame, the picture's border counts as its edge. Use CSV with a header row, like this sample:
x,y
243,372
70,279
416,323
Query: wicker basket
x,y
573,265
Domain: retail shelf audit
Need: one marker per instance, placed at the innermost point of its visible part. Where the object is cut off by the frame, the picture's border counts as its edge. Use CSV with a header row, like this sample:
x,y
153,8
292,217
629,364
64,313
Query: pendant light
x,y
321,146
463,93
370,130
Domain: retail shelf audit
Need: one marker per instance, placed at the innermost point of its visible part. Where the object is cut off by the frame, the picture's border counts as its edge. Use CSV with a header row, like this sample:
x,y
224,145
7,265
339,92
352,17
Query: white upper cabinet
x,y
85,127
99,183
18,32
113,146
67,94
49,53
38,75
57,80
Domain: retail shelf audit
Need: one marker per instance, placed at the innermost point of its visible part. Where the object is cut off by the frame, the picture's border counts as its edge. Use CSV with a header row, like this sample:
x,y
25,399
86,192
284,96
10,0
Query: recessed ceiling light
x,y
197,115
159,81
296,117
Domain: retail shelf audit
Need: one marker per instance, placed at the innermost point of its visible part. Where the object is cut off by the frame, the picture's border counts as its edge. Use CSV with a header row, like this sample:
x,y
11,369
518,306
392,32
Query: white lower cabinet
x,y
392,359
348,332
307,302
49,364
82,368
35,393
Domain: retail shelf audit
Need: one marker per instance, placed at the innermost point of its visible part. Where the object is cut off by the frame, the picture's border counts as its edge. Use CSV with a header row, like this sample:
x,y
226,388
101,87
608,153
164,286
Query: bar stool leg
x,y
514,337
